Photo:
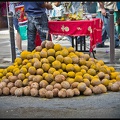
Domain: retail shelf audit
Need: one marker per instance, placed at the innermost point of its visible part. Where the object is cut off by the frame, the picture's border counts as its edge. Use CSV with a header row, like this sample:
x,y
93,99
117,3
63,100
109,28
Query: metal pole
x,y
7,13
12,37
112,41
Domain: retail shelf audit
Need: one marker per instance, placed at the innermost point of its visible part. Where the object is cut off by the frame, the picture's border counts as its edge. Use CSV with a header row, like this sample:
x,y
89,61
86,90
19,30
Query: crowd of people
x,y
39,13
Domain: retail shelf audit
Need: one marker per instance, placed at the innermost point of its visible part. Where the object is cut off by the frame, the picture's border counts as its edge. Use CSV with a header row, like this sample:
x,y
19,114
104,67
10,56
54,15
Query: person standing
x,y
37,21
16,25
104,11
117,19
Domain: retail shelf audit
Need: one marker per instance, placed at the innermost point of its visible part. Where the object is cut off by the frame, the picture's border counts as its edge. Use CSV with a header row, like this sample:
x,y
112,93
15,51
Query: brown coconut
x,y
62,93
87,92
115,87
19,92
3,84
65,84
12,78
76,91
37,64
97,90
103,88
58,86
26,90
37,78
59,78
12,90
43,84
43,43
6,91
30,78
101,75
81,86
18,83
49,44
69,93
6,80
29,83
42,92
74,84
49,94
38,48
10,85
55,92
34,92
49,87
35,85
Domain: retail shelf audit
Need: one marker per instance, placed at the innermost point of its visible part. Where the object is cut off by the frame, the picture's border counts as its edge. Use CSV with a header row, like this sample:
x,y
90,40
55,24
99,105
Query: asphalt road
x,y
105,105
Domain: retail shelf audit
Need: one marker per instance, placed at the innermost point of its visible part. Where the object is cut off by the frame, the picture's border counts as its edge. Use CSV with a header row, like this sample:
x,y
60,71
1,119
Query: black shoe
x,y
117,46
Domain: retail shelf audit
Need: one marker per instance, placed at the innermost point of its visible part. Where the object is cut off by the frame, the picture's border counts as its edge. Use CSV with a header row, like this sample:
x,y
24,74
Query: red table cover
x,y
92,28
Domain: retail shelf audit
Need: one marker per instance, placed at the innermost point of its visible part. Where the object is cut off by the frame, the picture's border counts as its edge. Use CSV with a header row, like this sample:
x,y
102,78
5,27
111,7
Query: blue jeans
x,y
106,29
36,24
15,22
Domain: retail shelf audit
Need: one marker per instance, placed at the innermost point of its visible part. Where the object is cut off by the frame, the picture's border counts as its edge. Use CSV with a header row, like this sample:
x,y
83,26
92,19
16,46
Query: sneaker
x,y
18,52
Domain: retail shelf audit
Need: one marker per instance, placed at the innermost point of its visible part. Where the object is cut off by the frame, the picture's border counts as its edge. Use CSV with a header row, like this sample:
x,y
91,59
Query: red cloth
x,y
92,28
37,40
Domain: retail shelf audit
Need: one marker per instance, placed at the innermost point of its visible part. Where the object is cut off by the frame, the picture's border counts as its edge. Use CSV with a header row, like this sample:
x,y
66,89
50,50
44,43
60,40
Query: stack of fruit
x,y
52,70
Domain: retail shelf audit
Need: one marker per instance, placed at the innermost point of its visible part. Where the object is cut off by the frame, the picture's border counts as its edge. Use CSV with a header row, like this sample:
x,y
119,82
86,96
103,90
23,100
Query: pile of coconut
x,y
52,70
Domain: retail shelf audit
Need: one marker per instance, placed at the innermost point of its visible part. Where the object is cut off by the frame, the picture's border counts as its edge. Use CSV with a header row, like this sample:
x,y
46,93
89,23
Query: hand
x,y
103,11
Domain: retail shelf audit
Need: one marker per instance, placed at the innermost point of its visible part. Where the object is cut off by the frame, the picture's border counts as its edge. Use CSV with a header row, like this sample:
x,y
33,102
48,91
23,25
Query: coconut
x,y
5,80
49,87
12,90
74,84
2,85
10,85
18,83
81,86
59,78
62,93
42,92
115,87
34,92
49,44
30,78
12,78
55,92
69,93
6,91
65,84
26,90
103,88
19,91
49,94
58,86
43,84
76,91
97,90
35,85
38,48
87,92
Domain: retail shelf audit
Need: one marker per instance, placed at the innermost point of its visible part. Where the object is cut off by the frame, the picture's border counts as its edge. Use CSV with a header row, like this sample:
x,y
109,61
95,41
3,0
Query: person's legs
x,y
31,32
42,27
18,41
106,31
17,35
